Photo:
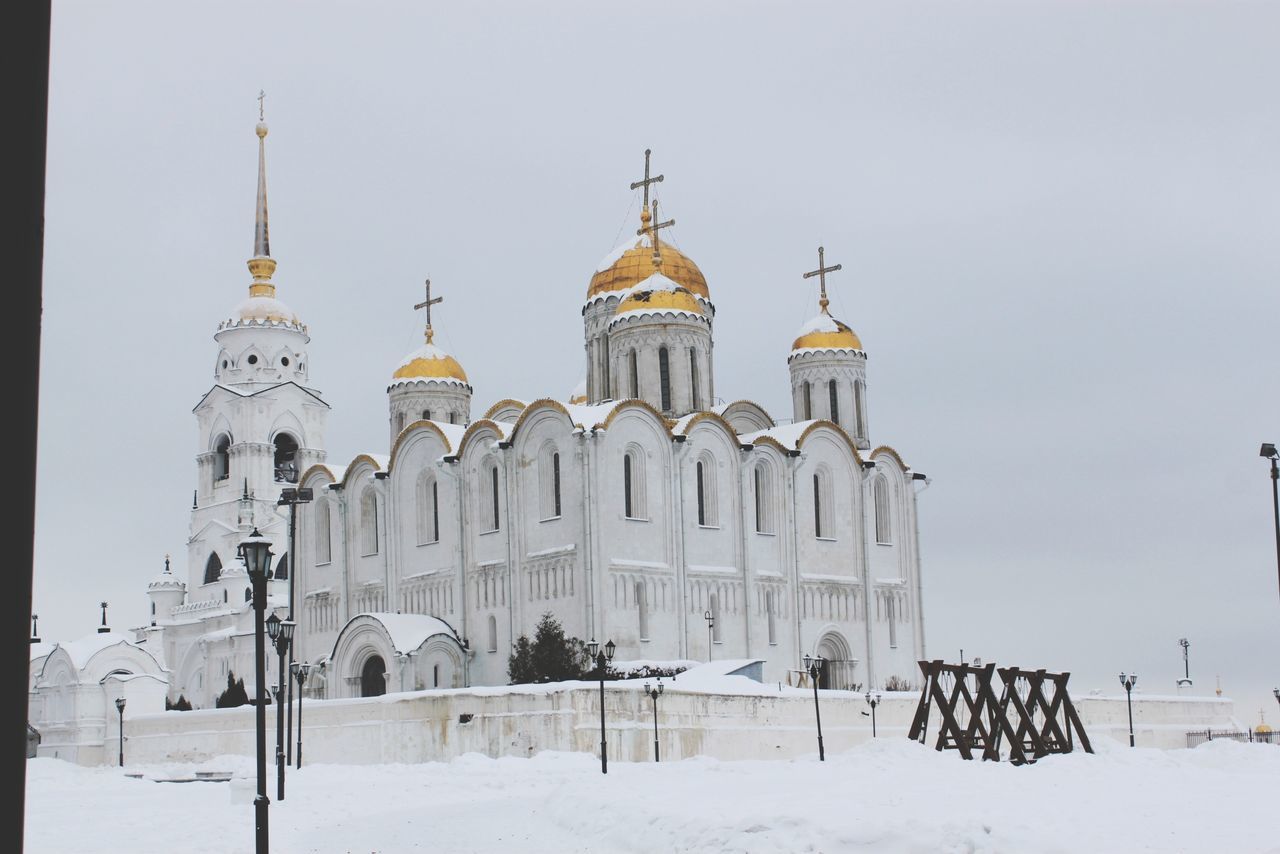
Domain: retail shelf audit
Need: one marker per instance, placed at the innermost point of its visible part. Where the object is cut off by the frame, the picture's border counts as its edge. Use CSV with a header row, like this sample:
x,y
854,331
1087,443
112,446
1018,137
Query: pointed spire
x,y
261,264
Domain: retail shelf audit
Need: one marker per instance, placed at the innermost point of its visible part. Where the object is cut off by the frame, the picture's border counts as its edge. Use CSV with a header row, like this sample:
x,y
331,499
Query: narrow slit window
x,y
833,392
664,378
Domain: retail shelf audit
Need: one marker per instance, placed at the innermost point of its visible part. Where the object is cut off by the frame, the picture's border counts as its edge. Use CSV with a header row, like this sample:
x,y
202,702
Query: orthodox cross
x,y
821,273
652,229
427,303
103,627
647,180
262,96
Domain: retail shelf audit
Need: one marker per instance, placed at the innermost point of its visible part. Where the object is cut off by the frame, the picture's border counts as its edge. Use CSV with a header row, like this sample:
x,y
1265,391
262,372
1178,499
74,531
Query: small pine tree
x,y
235,695
179,705
551,657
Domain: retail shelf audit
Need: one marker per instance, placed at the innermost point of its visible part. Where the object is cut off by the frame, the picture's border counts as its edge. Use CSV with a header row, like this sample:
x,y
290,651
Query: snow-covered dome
x,y
579,393
658,293
264,309
632,262
165,580
824,332
429,362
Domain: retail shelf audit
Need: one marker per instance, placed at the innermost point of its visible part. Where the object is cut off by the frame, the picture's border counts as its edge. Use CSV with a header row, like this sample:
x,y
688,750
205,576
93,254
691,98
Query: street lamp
x,y
1269,452
814,666
711,624
281,634
1186,664
653,695
1128,682
299,673
873,700
256,551
120,709
291,497
602,659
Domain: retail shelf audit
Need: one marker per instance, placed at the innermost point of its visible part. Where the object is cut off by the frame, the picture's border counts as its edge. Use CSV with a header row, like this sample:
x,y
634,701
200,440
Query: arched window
x,y
764,500
884,530
769,607
634,367
707,492
248,594
633,495
808,400
549,482
373,681
286,458
822,504
859,415
693,376
642,604
664,378
222,457
493,633
490,508
428,509
368,522
399,423
324,549
282,568
212,568
426,415
453,418
833,392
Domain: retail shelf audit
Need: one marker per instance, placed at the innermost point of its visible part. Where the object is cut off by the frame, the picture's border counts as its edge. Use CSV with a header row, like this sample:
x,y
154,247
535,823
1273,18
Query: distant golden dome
x,y
824,332
429,362
1262,728
627,266
579,393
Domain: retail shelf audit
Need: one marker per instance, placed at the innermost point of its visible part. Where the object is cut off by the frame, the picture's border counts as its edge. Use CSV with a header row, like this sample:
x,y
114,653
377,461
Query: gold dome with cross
x,y
824,332
429,362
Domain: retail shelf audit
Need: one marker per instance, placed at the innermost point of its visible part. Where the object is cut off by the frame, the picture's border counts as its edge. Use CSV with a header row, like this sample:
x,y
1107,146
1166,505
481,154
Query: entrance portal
x,y
373,680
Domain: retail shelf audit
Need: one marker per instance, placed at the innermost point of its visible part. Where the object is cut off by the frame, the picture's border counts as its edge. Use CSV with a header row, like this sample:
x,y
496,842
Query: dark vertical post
x,y
293,570
1128,690
1275,504
604,747
814,666
260,803
281,649
656,755
301,675
120,709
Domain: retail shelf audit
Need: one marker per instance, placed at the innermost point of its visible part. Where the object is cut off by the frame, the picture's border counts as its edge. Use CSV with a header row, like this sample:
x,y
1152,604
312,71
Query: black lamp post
x,y
711,624
814,666
653,695
1269,452
1128,682
120,709
1186,663
256,551
873,700
291,497
299,673
281,634
602,659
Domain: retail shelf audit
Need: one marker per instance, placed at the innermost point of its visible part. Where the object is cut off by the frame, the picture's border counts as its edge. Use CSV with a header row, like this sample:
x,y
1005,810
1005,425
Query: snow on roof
x,y
655,282
822,323
410,631
620,250
589,415
719,677
786,434
452,432
580,390
40,650
90,645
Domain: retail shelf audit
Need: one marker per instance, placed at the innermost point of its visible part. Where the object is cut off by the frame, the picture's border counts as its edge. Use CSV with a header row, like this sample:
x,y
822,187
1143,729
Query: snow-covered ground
x,y
889,795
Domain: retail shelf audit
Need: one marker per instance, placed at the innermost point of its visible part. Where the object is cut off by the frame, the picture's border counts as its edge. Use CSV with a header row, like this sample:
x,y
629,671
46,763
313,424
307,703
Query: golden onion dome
x,y
632,263
824,332
429,362
657,292
579,393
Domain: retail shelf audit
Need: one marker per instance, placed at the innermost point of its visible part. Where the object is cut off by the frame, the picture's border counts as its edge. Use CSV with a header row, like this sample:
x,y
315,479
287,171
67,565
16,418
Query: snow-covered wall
x,y
760,723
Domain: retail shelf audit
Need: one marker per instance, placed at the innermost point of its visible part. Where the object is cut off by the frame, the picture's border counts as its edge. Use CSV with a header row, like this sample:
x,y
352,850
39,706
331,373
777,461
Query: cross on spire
x,y
262,97
647,180
426,304
821,273
652,230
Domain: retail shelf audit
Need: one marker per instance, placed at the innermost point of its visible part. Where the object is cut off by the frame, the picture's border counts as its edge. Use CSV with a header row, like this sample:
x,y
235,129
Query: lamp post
x,y
281,634
1269,452
1128,682
299,673
873,700
814,666
291,497
120,709
602,659
653,695
256,550
1186,663
711,624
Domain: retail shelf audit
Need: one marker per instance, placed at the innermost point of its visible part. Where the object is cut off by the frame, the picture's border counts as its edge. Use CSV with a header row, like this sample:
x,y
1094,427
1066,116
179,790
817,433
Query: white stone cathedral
x,y
642,510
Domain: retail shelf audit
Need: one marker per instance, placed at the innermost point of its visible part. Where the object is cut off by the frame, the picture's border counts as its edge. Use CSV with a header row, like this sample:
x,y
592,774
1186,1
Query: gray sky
x,y
1057,223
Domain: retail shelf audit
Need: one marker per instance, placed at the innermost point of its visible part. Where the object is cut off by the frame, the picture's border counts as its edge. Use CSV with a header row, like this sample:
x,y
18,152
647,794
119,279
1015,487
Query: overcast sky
x,y
1057,223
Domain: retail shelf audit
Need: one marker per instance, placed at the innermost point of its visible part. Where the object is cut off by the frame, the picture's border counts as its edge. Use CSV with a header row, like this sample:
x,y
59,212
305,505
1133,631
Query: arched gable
x,y
541,406
628,406
388,636
825,428
747,416
413,433
287,422
356,465
886,451
504,409
484,425
708,420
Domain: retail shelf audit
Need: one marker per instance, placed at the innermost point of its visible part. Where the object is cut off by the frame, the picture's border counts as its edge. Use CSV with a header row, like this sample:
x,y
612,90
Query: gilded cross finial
x,y
821,273
262,97
652,230
426,304
647,180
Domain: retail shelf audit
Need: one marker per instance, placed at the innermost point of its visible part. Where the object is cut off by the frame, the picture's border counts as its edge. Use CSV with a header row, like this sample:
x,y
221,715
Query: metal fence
x,y
1250,736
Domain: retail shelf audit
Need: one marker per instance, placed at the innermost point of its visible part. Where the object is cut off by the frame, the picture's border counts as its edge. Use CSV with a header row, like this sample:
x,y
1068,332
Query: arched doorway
x,y
373,679
286,458
838,664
